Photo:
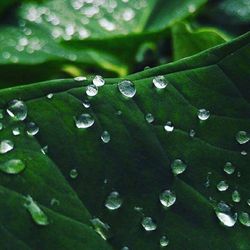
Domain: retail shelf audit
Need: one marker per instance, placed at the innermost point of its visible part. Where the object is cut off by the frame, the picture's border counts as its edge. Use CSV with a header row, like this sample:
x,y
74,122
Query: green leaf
x,y
187,42
53,33
137,161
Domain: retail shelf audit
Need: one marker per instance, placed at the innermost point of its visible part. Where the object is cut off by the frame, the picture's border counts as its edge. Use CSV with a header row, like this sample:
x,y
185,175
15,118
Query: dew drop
x,y
13,166
44,149
225,214
38,216
243,152
6,146
244,219
242,137
149,118
113,201
105,136
164,241
16,131
192,133
160,82
178,166
169,127
229,168
222,186
84,121
203,114
98,81
17,110
127,88
54,202
236,196
1,126
73,173
86,104
167,198
32,128
124,248
101,228
148,224
248,202
80,78
91,90
50,95
1,114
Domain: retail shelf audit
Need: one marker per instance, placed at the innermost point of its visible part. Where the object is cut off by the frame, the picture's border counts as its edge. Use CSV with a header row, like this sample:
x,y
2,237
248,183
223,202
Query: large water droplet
x,y
178,166
148,224
113,201
6,146
84,121
236,196
105,136
73,173
242,137
229,168
17,110
222,186
149,118
164,241
127,88
91,90
32,128
225,214
38,216
13,166
160,82
167,198
244,219
169,127
98,81
203,114
101,228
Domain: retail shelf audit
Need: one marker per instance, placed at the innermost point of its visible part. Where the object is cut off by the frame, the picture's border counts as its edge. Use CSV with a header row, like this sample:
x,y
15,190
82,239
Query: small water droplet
x,y
160,82
84,121
32,128
1,114
86,104
17,109
167,198
124,248
169,127
242,137
244,219
229,168
127,88
178,166
192,133
105,136
73,173
149,118
38,216
236,196
248,202
148,224
119,112
203,114
138,209
16,131
80,78
222,186
207,183
54,202
164,241
238,174
91,90
113,201
50,95
13,166
6,146
44,149
243,152
225,214
98,81
101,228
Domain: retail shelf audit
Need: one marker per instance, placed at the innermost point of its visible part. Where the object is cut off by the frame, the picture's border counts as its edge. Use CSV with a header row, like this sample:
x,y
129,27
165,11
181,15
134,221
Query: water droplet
x,y
164,241
86,104
124,248
16,131
244,219
207,183
229,168
1,126
80,78
84,121
178,166
17,110
6,146
13,166
236,196
54,202
113,201
119,112
242,137
91,90
160,82
32,128
50,95
36,213
248,202
127,88
192,133
148,224
149,118
105,137
203,114
101,228
169,127
222,186
73,173
1,114
138,209
243,152
98,81
225,214
167,198
44,149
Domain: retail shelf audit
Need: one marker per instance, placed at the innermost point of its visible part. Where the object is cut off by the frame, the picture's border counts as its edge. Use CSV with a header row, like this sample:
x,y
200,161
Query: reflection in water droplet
x,y
203,114
222,186
98,81
242,137
160,82
6,146
91,90
84,121
16,131
164,241
101,228
105,136
32,128
73,173
149,118
178,166
148,224
229,168
167,198
13,166
38,216
236,196
113,201
17,110
169,127
225,214
127,88
244,219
